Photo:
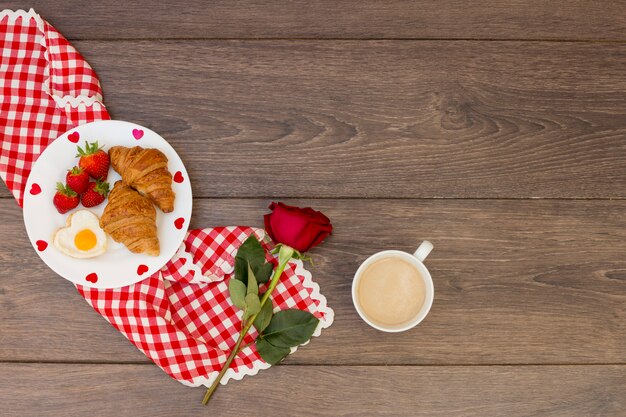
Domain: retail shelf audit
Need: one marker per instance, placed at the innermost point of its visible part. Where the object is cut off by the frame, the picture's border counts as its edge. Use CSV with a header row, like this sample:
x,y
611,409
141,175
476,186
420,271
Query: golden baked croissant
x,y
145,170
130,218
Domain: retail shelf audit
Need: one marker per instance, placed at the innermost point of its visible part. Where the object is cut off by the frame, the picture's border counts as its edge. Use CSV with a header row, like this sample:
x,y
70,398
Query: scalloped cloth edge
x,y
45,29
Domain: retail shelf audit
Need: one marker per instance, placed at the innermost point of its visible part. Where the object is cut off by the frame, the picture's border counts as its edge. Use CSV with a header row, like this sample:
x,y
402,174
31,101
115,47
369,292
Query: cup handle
x,y
424,249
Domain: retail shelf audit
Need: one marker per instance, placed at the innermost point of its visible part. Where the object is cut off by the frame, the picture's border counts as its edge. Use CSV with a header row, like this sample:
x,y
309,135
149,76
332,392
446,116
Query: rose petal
x,y
300,228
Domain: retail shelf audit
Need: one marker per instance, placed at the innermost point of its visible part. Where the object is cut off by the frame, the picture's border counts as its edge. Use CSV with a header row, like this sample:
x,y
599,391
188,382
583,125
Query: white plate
x,y
118,267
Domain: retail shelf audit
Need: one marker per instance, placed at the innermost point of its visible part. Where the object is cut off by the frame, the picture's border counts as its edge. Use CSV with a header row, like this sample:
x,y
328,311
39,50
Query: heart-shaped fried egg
x,y
83,237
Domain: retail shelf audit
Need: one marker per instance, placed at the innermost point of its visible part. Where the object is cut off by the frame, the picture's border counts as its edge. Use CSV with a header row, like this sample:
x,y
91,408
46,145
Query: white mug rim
x,y
425,275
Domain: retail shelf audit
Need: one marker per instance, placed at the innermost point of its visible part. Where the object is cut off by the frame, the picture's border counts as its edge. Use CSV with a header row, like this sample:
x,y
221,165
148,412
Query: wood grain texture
x,y
379,119
481,19
403,121
137,390
516,282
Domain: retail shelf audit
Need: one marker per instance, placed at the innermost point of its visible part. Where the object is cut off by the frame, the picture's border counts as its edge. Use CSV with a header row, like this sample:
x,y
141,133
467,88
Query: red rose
x,y
299,228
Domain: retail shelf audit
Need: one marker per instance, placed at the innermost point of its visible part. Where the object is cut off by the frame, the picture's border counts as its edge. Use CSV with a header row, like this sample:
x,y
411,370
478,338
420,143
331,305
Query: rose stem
x,y
284,256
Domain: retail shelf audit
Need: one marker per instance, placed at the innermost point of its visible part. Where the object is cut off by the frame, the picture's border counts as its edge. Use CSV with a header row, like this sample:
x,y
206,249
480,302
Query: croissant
x,y
145,170
130,218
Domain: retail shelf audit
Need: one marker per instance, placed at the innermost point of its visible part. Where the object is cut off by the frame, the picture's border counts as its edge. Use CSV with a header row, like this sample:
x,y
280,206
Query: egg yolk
x,y
85,240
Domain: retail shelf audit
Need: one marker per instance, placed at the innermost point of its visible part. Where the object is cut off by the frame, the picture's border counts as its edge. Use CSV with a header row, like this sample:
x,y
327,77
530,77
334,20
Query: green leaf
x,y
264,272
253,287
270,353
253,305
237,292
252,253
241,270
264,317
290,328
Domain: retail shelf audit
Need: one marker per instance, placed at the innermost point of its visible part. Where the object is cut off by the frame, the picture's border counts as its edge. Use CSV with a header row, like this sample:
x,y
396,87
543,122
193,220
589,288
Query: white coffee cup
x,y
417,260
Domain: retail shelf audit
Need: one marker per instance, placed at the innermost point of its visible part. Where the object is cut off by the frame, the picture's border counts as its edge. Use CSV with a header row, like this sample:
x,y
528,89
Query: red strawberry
x,y
94,160
95,194
77,179
65,198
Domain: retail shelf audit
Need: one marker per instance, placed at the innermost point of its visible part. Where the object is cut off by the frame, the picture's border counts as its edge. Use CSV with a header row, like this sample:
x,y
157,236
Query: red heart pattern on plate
x,y
91,274
137,133
35,189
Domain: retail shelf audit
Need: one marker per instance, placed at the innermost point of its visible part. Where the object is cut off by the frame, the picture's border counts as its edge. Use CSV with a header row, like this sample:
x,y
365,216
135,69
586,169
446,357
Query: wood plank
x,y
522,282
137,390
483,19
379,119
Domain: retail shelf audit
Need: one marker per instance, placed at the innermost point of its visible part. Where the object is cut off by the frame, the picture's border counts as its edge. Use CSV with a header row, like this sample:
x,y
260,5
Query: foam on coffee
x,y
391,291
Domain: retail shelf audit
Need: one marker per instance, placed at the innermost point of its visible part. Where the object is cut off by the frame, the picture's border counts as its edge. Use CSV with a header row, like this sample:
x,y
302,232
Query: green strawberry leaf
x,y
102,187
90,148
65,190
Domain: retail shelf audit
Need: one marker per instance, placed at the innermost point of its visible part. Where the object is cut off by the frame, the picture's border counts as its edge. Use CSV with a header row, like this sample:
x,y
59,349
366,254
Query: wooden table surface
x,y
494,129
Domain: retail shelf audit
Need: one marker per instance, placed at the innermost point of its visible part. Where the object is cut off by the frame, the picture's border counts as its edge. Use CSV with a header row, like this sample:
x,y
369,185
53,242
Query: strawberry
x,y
94,160
77,179
95,194
65,198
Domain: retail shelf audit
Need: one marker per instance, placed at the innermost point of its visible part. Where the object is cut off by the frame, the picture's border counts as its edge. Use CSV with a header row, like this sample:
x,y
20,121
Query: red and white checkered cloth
x,y
181,317
189,329
47,88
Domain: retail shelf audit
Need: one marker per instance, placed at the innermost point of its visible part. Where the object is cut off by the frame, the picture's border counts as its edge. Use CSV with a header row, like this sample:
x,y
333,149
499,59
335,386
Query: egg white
x,y
77,221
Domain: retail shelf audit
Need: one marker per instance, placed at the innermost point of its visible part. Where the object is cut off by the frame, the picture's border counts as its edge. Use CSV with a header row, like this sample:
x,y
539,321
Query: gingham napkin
x,y
188,328
181,317
46,89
